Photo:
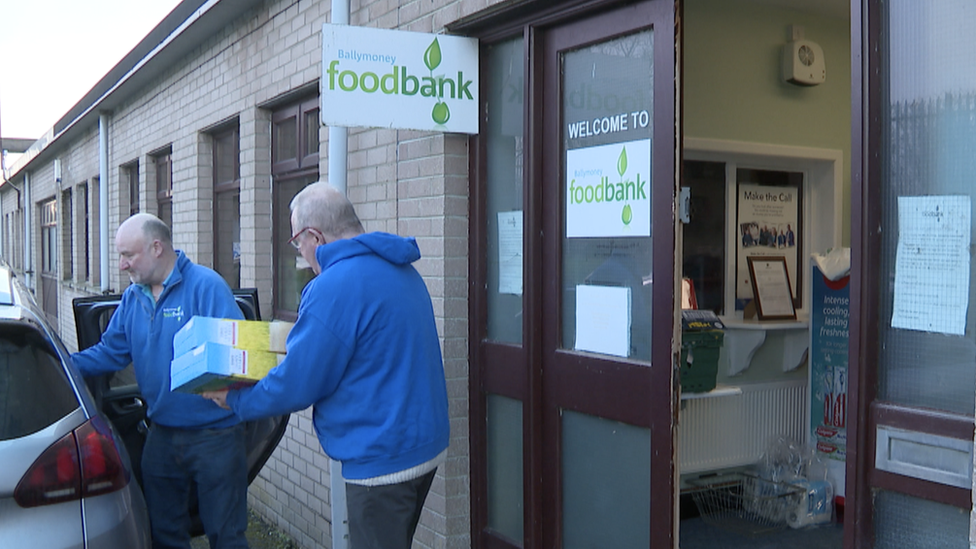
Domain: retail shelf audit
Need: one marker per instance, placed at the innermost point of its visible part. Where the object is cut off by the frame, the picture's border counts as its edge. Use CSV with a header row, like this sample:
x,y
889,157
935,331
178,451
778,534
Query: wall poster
x,y
767,220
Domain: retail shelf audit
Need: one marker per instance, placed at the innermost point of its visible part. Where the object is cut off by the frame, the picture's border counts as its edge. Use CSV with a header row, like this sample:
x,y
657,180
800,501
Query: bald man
x,y
190,439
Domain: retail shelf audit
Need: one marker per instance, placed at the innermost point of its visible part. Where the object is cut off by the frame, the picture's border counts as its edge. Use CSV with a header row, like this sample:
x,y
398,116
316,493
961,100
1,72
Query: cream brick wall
x,y
406,182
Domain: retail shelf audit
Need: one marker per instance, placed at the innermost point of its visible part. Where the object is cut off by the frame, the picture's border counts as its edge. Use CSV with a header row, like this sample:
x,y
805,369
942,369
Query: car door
x,y
118,396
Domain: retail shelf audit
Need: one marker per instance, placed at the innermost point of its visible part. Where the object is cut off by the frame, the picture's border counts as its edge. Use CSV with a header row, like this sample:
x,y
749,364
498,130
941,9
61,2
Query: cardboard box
x,y
252,335
213,366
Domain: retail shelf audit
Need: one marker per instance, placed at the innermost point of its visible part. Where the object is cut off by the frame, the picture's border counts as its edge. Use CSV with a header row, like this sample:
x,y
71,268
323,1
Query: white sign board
x,y
608,190
603,319
399,79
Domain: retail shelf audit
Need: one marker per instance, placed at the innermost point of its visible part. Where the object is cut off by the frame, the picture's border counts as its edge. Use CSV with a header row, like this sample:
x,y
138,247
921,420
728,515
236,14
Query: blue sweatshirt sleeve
x,y
314,364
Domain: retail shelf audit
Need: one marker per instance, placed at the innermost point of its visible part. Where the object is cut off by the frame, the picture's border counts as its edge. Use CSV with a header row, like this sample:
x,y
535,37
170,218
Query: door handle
x,y
130,405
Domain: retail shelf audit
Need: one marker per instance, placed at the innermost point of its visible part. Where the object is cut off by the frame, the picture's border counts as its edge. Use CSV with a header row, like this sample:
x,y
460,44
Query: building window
x,y
164,186
49,258
130,177
85,240
227,205
294,164
67,236
49,237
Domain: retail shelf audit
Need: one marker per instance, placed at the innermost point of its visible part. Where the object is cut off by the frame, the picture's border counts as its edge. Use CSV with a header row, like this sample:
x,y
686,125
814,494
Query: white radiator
x,y
734,430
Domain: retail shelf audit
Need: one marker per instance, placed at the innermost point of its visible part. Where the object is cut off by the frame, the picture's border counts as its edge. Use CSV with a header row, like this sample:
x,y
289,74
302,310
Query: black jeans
x,y
386,517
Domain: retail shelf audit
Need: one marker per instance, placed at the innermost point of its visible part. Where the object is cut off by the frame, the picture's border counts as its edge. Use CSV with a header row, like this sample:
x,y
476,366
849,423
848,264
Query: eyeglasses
x,y
294,240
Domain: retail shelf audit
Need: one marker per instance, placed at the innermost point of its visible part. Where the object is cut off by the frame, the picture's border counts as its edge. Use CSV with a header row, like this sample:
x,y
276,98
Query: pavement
x,y
260,535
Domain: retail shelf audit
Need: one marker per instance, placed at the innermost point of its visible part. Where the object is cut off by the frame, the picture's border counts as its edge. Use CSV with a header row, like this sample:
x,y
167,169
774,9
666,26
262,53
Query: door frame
x,y
530,21
866,413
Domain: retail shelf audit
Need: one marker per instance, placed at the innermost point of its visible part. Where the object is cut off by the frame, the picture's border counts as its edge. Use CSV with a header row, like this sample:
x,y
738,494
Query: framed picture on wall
x,y
771,288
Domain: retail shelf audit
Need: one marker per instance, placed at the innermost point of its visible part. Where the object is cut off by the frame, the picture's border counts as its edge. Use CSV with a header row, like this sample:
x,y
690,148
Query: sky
x,y
55,51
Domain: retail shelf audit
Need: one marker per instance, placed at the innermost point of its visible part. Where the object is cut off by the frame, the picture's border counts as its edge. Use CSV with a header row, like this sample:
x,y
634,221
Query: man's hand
x,y
218,397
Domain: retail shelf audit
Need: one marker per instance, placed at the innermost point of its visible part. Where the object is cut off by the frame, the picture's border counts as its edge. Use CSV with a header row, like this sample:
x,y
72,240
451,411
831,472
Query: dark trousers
x,y
386,517
213,458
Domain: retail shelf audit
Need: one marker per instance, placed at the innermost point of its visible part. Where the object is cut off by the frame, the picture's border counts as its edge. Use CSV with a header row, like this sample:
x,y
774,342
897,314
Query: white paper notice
x,y
932,264
510,252
603,319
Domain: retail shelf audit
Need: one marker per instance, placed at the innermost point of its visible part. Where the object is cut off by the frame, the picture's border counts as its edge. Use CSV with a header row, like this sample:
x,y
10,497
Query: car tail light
x,y
84,463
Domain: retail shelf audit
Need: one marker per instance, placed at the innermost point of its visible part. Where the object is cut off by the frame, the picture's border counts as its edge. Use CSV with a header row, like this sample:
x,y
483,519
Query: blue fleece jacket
x,y
365,352
142,334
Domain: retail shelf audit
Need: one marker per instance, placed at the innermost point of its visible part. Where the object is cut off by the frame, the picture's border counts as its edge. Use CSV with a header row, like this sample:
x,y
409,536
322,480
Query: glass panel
x,y
770,218
606,263
226,158
293,273
228,238
132,173
311,132
164,176
166,211
704,236
505,494
606,481
929,135
904,522
285,137
34,391
504,209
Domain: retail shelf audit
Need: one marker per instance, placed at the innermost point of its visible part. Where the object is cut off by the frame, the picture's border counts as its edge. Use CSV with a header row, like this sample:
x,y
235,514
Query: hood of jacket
x,y
397,250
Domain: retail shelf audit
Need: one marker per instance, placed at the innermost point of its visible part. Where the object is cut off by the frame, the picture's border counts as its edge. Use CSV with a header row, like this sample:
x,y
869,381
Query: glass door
x,y
912,255
608,279
573,277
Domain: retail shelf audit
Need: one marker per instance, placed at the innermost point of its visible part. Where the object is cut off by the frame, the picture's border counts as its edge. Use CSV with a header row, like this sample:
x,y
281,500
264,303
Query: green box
x,y
703,347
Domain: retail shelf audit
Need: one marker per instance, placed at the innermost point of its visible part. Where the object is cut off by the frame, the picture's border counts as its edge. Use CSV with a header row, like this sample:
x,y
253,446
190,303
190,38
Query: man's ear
x,y
157,248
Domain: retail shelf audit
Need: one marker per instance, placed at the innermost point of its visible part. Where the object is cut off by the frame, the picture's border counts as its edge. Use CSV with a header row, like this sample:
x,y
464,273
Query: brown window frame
x,y
225,186
163,166
303,163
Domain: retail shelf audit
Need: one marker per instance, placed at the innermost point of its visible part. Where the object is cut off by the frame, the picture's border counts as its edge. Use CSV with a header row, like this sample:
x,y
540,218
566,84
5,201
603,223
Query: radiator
x,y
734,430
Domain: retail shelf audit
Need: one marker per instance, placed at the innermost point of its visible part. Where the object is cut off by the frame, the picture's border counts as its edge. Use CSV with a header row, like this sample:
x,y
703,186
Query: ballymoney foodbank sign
x,y
399,79
608,190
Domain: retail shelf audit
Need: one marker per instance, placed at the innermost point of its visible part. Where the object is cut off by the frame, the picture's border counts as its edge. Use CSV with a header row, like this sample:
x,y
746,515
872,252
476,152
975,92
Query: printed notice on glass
x,y
932,264
603,319
510,253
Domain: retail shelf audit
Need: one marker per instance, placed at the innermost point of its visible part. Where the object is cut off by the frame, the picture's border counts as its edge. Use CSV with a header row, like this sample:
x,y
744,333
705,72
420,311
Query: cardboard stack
x,y
220,353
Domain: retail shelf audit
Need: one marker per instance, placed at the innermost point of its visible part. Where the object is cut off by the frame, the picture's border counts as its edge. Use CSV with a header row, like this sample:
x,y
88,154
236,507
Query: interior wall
x,y
733,89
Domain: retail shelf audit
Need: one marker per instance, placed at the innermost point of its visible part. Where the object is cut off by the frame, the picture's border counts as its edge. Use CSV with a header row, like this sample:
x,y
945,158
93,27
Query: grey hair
x,y
152,228
322,207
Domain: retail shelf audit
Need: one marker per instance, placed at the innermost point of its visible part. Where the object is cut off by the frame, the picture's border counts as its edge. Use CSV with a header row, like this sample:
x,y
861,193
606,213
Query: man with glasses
x,y
365,353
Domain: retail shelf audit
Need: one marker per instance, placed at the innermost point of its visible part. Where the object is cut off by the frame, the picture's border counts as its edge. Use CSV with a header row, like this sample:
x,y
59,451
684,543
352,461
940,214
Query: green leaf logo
x,y
627,215
441,114
622,162
432,57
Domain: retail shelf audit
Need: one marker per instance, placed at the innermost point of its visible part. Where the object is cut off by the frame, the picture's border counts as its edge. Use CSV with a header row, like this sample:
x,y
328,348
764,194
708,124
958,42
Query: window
x,y
49,258
227,205
130,178
67,237
85,240
164,186
294,158
49,237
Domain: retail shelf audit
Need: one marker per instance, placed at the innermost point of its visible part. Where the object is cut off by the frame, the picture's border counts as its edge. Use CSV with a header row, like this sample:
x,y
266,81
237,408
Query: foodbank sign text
x,y
399,79
608,190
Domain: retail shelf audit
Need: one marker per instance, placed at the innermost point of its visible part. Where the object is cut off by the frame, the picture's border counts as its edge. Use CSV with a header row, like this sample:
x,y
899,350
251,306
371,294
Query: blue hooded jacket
x,y
143,335
365,352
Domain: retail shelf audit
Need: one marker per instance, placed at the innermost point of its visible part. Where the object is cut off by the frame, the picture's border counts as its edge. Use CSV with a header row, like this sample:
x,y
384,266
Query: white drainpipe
x,y
28,209
103,201
338,151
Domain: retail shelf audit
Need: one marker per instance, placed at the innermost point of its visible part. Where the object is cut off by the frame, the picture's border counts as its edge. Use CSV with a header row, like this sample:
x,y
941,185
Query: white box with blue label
x,y
252,335
212,366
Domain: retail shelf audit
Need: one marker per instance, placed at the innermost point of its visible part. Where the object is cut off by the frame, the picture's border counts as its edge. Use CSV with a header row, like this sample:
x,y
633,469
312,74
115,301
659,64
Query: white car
x,y
67,480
